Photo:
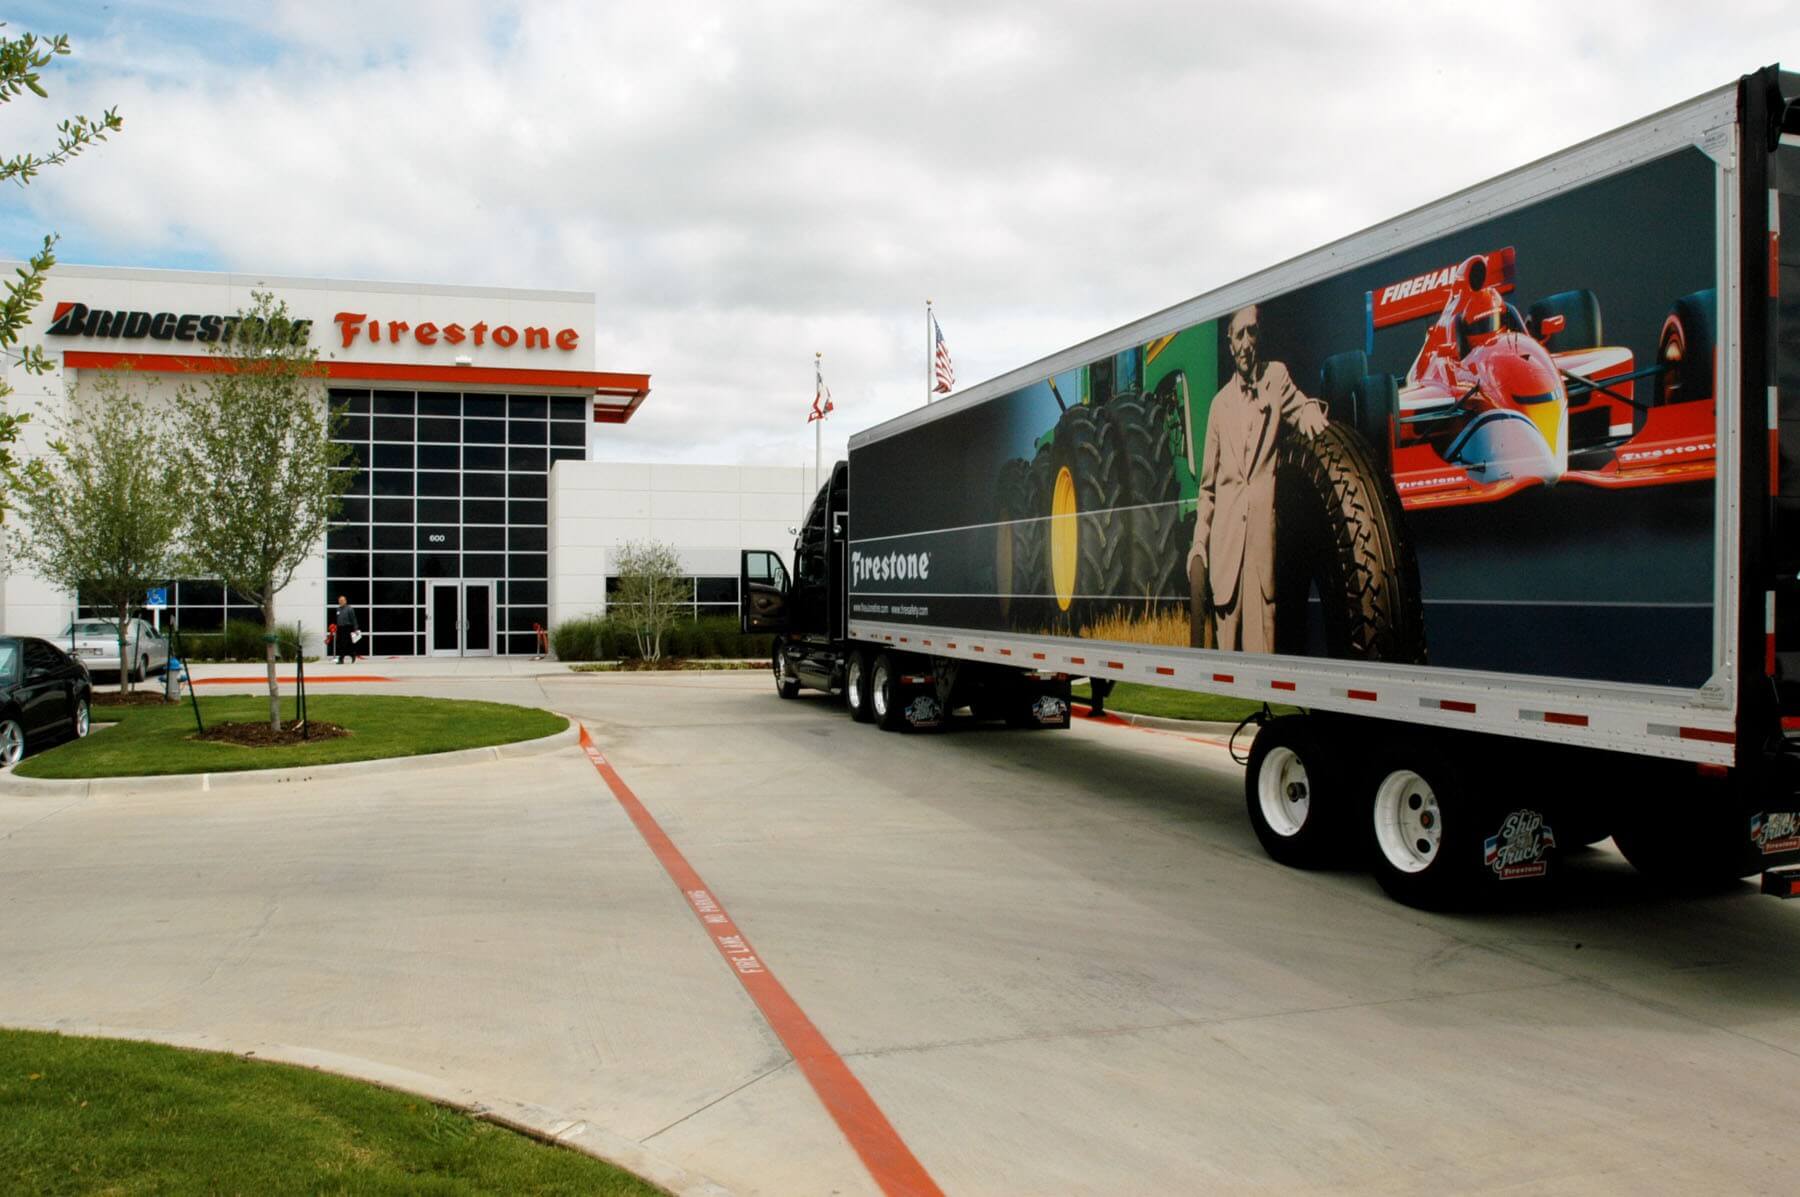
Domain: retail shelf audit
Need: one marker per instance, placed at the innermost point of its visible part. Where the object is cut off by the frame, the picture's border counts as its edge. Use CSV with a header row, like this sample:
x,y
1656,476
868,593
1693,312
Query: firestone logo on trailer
x,y
889,567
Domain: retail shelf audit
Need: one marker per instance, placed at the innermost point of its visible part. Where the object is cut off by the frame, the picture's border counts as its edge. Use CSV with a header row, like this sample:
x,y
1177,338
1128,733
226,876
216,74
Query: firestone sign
x,y
72,319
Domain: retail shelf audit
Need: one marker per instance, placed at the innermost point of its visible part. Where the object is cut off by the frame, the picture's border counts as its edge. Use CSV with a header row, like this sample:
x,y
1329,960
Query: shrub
x,y
242,640
596,638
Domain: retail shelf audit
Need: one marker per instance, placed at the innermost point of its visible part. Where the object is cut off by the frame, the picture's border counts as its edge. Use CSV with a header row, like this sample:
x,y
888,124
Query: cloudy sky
x,y
743,184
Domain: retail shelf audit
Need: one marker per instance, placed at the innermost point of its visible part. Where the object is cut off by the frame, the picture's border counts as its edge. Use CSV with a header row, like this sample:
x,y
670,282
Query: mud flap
x,y
1520,848
1050,710
923,712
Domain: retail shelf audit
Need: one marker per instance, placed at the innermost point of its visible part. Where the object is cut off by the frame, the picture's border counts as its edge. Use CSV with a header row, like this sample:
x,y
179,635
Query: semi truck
x,y
1497,503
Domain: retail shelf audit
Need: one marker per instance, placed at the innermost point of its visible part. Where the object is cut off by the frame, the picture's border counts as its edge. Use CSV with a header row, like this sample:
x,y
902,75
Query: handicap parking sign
x,y
156,596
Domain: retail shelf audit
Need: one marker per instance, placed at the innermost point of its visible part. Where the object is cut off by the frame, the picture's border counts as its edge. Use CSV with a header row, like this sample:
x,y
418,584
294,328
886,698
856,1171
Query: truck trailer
x,y
1501,495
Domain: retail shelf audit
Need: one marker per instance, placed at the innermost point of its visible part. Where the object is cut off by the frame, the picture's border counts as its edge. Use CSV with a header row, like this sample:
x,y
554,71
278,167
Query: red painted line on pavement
x,y
1112,720
288,681
889,1161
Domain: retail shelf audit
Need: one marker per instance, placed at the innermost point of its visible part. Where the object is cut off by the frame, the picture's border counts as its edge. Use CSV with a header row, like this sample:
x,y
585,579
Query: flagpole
x,y
930,347
818,424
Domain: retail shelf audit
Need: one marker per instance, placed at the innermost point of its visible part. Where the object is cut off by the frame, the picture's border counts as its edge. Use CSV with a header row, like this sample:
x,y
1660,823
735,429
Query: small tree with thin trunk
x,y
653,593
104,514
262,480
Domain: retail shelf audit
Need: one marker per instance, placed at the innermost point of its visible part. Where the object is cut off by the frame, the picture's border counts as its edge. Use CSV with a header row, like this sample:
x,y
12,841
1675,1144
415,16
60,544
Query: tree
x,y
653,593
21,58
262,480
104,514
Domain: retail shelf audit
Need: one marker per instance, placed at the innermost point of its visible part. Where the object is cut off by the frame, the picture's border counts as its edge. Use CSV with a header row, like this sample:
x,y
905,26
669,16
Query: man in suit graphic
x,y
1232,562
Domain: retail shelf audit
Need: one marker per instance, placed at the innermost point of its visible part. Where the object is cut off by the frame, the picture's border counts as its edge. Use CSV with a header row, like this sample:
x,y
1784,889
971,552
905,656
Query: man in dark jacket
x,y
346,631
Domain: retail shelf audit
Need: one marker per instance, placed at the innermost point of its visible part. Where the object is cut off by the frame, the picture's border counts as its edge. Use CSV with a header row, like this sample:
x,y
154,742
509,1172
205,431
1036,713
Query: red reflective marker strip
x,y
1362,695
1711,737
1567,720
1006,652
977,647
892,1165
1115,664
1078,660
1165,671
1224,677
1451,704
1281,685
1037,656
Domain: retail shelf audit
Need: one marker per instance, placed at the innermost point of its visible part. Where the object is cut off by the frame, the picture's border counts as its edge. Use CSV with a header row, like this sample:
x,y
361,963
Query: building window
x,y
713,594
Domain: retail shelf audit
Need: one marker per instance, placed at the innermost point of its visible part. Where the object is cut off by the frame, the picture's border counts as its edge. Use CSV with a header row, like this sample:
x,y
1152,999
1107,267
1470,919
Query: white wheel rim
x,y
879,694
1283,792
781,668
81,718
853,683
12,742
1408,826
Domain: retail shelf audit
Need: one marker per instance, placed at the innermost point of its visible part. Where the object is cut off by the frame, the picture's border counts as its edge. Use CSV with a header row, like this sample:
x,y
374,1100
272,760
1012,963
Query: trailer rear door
x,y
1787,379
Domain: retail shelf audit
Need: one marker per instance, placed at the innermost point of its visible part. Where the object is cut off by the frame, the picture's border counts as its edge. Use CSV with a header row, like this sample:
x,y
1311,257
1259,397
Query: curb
x,y
1160,722
538,1122
95,787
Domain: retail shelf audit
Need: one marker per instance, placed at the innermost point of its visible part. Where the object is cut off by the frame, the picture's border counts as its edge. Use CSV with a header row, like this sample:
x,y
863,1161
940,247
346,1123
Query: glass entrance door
x,y
462,618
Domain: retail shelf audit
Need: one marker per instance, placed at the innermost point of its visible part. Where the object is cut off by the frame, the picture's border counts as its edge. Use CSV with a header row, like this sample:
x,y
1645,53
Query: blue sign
x,y
156,596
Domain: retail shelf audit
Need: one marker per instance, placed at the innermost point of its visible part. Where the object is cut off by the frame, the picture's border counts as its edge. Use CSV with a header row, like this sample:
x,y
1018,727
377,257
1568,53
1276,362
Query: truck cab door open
x,y
763,583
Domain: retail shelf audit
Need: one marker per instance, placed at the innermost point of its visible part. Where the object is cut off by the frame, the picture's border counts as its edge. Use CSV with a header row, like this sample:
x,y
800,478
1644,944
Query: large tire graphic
x,y
1012,504
1087,542
1154,553
1338,533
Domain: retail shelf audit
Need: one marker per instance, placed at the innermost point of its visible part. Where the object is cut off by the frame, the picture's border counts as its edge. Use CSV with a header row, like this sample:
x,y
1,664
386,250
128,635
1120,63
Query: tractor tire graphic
x,y
1339,538
1150,524
1015,578
1087,541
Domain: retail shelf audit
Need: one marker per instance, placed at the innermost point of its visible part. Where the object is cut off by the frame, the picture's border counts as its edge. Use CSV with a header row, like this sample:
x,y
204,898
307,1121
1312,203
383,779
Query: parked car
x,y
44,693
96,643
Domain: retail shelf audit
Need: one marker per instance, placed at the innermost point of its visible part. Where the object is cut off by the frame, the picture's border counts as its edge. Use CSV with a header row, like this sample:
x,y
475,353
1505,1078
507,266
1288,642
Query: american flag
x,y
821,395
942,372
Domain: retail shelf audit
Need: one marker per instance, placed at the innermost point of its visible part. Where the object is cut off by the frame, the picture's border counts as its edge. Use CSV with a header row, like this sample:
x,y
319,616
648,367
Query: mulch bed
x,y
137,698
261,735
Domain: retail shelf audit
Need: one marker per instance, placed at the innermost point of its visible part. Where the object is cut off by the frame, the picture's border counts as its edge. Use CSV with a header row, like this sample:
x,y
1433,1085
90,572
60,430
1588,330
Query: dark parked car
x,y
44,694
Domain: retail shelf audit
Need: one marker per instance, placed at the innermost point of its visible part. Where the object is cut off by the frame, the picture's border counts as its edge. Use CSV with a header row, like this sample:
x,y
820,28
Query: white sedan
x,y
95,643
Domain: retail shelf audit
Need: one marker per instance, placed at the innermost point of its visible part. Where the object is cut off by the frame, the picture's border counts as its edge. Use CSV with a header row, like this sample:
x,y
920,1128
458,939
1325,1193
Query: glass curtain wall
x,y
449,486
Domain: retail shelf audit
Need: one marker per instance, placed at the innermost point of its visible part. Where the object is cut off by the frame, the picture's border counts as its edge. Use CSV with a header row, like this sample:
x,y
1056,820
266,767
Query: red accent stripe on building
x,y
890,1162
1711,737
1565,719
1451,704
1281,685
1165,671
1363,695
600,382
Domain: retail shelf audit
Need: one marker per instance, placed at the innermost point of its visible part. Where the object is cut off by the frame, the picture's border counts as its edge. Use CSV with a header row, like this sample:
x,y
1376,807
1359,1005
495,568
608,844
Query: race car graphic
x,y
1497,401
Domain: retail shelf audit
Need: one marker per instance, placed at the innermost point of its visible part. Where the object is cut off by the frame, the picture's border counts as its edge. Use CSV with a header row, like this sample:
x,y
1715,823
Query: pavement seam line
x,y
729,1093
888,1160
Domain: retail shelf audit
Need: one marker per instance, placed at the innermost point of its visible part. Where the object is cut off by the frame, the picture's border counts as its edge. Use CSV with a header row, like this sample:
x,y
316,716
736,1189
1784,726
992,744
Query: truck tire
x,y
1684,350
1147,489
1443,840
885,700
1087,542
1581,328
1691,844
787,682
1338,380
1294,785
1340,534
856,685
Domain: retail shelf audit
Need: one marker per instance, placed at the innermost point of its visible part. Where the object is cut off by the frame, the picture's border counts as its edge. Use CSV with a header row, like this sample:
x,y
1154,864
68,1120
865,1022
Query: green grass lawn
x,y
107,1116
1135,699
153,740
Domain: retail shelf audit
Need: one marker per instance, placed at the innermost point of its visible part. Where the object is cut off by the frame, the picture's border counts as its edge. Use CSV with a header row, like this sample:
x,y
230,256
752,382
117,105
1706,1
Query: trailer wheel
x,y
1442,839
856,686
1698,843
884,694
1291,788
787,683
1340,536
1684,350
1147,489
1087,536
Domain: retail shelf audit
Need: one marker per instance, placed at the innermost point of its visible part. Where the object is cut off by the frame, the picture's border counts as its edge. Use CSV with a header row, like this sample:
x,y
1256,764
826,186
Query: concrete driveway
x,y
1058,963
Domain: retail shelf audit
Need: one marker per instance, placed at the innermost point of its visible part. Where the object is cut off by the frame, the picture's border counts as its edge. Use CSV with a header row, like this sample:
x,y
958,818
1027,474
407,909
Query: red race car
x,y
1497,401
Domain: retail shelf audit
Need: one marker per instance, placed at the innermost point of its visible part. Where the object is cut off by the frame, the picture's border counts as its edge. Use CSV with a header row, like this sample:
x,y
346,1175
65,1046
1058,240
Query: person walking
x,y
348,634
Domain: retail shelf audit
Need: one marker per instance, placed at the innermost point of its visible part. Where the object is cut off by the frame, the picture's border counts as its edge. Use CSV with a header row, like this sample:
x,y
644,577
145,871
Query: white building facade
x,y
475,518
